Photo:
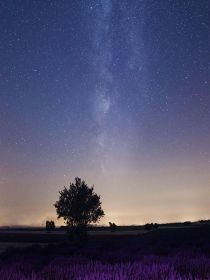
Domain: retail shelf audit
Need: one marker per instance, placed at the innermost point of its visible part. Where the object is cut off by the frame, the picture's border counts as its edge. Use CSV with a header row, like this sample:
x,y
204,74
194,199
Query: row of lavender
x,y
81,268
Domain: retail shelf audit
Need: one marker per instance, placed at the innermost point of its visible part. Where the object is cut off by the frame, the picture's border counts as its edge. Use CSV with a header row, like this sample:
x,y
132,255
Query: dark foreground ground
x,y
173,253
161,241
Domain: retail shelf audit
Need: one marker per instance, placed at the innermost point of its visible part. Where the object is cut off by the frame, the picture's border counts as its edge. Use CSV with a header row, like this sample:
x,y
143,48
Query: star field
x,y
115,92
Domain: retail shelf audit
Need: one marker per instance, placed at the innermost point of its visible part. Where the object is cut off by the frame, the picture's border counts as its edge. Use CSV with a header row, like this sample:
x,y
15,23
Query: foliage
x,y
50,225
79,206
151,226
178,267
113,227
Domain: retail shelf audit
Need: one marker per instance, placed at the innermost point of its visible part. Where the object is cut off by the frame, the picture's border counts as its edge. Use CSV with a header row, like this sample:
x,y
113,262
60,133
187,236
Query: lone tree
x,y
79,206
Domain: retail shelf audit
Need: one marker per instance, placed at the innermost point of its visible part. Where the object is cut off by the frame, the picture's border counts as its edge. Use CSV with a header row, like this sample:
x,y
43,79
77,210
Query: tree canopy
x,y
79,205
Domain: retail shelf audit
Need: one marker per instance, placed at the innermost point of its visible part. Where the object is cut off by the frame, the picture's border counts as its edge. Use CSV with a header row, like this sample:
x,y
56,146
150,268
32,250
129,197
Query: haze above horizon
x,y
115,92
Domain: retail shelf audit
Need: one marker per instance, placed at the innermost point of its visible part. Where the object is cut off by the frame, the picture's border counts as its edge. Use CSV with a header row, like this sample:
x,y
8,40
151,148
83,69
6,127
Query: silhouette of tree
x,y
151,226
113,227
50,225
79,206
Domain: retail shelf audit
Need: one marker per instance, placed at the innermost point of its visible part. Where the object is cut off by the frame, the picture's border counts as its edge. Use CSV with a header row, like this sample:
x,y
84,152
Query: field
x,y
175,253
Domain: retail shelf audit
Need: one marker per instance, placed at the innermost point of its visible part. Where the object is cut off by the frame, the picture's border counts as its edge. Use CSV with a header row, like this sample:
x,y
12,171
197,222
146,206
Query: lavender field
x,y
176,254
151,267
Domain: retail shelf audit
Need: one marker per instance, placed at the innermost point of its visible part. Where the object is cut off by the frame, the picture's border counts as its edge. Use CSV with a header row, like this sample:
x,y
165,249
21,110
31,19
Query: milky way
x,y
115,92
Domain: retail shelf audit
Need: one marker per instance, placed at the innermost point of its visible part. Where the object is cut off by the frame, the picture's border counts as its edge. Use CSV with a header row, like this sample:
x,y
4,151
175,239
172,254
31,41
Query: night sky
x,y
115,92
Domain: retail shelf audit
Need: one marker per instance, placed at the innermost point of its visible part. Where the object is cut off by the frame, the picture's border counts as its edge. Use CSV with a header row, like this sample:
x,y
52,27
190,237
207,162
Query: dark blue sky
x,y
116,92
